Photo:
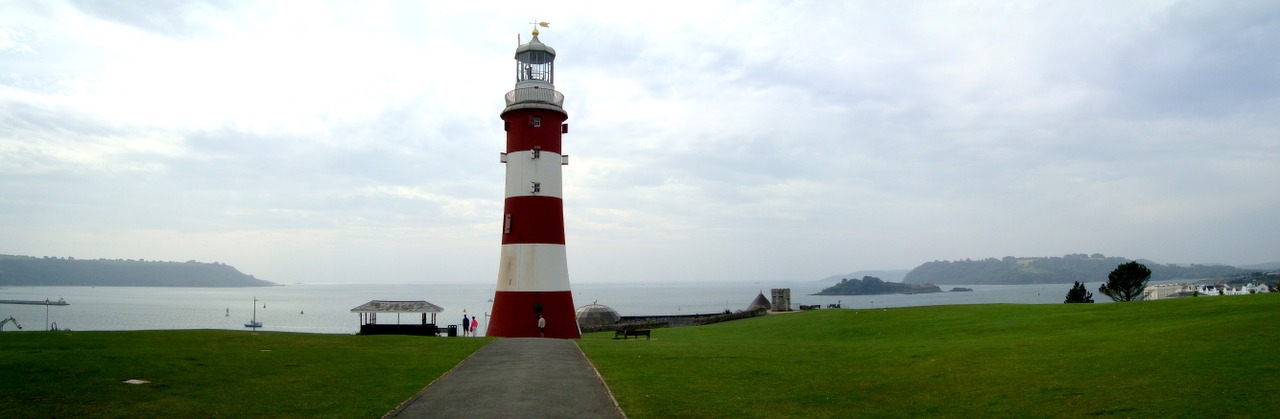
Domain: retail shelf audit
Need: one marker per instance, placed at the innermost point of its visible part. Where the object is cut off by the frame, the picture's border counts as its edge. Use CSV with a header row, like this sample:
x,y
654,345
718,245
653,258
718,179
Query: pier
x,y
45,302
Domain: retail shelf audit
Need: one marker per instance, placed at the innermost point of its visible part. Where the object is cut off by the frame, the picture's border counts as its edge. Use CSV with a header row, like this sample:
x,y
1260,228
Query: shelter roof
x,y
759,303
387,306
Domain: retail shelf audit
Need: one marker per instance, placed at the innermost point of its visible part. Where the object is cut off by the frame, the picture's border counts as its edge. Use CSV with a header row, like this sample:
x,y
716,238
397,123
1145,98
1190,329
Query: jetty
x,y
45,302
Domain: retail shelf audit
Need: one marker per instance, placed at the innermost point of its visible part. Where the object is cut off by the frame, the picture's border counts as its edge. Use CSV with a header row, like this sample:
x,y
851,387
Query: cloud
x,y
745,141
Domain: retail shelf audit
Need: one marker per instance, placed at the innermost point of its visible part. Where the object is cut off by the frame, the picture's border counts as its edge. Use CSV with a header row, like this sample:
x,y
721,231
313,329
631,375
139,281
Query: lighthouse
x,y
533,273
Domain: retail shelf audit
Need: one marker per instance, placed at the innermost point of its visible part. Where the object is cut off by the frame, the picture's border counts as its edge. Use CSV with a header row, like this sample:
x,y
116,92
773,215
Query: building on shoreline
x,y
1165,291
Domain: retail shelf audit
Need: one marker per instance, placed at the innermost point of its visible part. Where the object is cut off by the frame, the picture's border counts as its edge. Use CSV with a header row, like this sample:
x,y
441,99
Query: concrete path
x,y
517,377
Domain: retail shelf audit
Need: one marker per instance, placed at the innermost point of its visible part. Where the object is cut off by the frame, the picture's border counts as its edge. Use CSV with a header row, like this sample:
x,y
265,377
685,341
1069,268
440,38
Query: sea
x,y
326,308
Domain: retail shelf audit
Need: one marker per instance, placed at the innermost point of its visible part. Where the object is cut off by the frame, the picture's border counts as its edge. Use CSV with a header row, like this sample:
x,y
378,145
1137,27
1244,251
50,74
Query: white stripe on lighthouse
x,y
523,170
533,267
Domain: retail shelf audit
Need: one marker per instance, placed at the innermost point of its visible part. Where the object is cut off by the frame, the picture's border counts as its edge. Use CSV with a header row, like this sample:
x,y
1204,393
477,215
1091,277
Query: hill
x,y
1262,266
891,275
50,271
1054,270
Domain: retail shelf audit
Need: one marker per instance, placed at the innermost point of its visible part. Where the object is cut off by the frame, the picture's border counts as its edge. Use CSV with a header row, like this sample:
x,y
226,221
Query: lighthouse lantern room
x,y
533,273
535,64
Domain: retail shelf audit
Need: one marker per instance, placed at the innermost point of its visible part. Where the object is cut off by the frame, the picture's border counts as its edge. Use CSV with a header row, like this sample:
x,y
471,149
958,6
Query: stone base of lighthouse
x,y
515,314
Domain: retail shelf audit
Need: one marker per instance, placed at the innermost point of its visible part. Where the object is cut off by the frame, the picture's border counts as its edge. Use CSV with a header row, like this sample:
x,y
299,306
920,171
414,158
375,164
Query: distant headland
x,y
1066,269
54,271
1081,267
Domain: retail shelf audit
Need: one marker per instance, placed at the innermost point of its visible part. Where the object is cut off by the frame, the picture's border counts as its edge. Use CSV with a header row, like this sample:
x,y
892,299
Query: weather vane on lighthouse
x,y
532,296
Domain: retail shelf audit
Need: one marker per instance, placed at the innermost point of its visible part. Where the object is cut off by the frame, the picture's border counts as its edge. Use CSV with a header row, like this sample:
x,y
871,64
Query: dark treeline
x,y
48,271
870,285
1053,270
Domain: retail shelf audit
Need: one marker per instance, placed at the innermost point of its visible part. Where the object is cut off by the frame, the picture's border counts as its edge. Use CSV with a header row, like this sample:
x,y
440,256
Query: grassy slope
x,y
1171,358
207,373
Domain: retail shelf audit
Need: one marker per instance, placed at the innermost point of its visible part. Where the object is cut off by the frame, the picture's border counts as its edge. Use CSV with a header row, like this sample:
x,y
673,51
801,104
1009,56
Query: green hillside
x,y
48,271
1053,270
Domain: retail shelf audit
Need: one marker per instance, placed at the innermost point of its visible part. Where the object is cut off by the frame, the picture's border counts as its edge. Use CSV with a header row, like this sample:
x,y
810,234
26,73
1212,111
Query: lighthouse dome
x,y
596,315
535,45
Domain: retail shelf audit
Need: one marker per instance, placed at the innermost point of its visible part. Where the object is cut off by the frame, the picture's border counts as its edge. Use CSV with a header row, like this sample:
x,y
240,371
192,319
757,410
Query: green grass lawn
x,y
208,373
1191,357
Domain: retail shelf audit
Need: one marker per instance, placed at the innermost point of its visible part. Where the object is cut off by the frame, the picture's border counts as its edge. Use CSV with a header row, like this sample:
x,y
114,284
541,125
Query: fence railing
x,y
535,95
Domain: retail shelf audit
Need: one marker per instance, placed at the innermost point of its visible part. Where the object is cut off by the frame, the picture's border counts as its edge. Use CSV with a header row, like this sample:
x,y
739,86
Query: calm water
x,y
325,308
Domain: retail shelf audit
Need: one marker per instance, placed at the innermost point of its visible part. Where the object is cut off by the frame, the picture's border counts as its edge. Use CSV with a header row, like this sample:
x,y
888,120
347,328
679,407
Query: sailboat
x,y
254,323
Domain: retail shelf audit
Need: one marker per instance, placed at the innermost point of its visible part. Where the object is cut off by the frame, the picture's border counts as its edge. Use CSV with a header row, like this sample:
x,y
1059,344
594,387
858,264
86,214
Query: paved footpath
x,y
517,377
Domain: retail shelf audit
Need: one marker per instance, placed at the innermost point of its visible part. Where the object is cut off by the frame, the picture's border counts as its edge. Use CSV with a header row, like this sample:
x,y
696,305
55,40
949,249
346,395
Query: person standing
x,y
542,326
475,325
466,326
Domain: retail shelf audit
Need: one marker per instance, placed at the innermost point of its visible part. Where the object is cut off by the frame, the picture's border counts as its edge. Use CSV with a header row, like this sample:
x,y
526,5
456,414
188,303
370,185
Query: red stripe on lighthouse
x,y
523,136
533,219
519,310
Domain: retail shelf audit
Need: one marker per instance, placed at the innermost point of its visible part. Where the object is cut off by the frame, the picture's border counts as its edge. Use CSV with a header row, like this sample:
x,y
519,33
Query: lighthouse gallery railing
x,y
535,95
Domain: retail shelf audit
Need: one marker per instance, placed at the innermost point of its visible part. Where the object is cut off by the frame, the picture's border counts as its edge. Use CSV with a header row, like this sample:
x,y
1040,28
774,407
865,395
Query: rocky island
x,y
870,285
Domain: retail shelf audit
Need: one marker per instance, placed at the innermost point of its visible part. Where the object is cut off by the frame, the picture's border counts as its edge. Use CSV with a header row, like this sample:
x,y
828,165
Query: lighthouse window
x,y
537,122
534,66
537,153
536,187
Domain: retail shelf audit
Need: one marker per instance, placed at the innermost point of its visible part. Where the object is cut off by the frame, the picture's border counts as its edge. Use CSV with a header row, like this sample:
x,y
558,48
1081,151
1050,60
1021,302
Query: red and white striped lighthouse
x,y
533,276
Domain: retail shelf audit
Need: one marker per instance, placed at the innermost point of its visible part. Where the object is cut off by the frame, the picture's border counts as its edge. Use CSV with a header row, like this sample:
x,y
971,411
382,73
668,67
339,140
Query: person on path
x,y
475,325
542,326
466,325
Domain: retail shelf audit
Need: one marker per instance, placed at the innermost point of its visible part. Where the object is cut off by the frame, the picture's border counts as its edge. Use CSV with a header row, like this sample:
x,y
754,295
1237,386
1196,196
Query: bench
x,y
626,333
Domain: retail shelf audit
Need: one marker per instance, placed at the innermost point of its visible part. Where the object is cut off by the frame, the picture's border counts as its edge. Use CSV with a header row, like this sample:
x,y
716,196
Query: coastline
x,y
325,308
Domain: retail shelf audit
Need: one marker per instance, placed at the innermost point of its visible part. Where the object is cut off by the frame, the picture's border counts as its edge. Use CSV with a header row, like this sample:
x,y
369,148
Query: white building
x,y
1163,291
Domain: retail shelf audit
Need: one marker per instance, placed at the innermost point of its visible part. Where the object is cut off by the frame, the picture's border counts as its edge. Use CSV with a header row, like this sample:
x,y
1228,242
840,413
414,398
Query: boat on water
x,y
254,323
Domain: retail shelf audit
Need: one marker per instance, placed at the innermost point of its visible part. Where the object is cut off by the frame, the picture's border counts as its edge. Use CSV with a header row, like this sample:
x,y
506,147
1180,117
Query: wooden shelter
x,y
369,325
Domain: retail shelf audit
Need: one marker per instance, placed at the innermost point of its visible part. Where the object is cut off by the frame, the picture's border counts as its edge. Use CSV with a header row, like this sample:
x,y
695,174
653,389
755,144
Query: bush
x,y
1078,294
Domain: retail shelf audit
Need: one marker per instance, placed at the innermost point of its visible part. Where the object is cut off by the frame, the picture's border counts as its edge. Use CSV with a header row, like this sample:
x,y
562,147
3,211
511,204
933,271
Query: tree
x,y
1079,294
1126,282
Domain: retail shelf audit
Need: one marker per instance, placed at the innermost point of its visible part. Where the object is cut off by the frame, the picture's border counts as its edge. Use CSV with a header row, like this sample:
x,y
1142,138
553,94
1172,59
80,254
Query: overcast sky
x,y
755,141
